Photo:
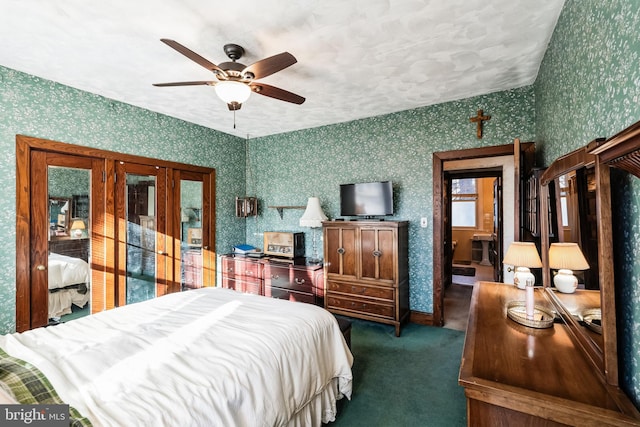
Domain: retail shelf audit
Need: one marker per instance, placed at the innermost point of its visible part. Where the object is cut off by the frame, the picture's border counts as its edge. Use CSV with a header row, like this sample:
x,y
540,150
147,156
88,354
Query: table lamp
x,y
566,257
523,256
313,217
77,228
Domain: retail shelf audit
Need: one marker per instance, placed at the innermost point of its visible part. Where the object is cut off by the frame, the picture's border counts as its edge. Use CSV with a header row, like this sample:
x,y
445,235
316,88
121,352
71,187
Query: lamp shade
x,y
313,215
230,91
77,224
523,254
77,227
567,256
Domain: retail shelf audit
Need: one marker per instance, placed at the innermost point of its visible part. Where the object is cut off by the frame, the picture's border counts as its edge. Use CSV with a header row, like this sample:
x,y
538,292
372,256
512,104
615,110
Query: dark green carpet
x,y
407,381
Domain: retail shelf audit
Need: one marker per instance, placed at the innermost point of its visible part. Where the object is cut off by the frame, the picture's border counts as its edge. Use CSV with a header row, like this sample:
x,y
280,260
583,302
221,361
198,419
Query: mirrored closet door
x,y
141,224
69,223
97,230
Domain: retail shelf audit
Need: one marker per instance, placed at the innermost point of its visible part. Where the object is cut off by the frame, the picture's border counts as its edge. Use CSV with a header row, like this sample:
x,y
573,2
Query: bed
x,y
68,284
205,357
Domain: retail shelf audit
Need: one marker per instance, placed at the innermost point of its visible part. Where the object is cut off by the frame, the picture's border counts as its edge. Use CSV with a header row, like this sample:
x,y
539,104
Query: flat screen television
x,y
366,199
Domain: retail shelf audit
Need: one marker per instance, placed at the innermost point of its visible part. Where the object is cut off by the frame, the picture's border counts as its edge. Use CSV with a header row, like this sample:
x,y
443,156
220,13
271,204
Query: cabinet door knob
x,y
41,267
341,251
377,253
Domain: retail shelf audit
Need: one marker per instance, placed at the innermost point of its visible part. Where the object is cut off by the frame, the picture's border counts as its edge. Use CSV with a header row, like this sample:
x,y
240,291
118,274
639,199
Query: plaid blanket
x,y
29,386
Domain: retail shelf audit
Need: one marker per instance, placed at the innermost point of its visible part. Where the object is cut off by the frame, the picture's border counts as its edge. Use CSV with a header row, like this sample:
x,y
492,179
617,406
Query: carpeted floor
x,y
411,380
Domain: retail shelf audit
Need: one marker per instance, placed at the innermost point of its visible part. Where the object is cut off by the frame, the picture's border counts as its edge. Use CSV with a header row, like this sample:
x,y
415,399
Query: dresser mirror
x,y
59,217
575,192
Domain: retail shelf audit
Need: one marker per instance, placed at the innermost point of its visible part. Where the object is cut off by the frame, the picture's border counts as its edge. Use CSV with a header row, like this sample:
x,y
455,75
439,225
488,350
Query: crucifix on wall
x,y
479,119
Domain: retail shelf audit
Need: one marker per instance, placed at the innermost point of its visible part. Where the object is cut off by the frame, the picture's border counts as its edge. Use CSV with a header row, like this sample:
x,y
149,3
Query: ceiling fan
x,y
235,81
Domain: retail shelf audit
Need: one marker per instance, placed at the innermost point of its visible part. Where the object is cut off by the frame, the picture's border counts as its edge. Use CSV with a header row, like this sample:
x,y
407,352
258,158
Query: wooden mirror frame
x,y
604,357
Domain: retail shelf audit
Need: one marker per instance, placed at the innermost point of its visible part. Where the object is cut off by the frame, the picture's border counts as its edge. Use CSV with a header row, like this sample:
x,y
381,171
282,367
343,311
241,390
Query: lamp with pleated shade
x,y
313,217
566,257
523,256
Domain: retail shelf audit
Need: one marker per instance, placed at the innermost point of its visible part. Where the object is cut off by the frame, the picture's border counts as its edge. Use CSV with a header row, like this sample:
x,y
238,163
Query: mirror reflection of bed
x,y
68,279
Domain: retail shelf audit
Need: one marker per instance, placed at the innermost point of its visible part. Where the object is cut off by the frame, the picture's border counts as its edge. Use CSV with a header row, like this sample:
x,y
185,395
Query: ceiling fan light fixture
x,y
233,92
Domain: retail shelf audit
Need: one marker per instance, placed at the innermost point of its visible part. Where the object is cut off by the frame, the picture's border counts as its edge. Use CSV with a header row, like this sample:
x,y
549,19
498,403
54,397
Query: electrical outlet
x,y
424,222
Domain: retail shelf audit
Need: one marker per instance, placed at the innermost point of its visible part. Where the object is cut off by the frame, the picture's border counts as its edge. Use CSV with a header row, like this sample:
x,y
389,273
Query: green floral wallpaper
x,y
282,170
588,87
44,109
288,168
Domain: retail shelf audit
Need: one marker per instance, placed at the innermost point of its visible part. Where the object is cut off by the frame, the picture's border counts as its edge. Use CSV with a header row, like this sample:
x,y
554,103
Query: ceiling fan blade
x,y
273,64
201,82
277,93
193,56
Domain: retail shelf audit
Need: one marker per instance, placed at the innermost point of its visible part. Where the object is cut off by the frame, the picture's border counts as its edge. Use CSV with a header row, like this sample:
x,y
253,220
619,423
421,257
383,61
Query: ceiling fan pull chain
x,y
234,119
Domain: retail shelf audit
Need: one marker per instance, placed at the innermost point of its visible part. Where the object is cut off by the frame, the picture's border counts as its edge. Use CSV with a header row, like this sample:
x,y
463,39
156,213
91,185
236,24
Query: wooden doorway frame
x,y
440,254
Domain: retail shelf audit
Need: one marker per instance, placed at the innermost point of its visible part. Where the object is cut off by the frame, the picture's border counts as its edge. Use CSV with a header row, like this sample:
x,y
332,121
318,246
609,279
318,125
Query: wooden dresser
x,y
519,376
242,274
293,280
75,248
367,270
192,269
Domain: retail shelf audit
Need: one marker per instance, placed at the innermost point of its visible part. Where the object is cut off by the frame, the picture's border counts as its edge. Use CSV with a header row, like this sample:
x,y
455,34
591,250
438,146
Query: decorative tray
x,y
592,318
542,316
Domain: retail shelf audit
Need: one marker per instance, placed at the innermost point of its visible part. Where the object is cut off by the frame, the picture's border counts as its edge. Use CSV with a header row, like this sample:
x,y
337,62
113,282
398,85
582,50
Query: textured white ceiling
x,y
356,58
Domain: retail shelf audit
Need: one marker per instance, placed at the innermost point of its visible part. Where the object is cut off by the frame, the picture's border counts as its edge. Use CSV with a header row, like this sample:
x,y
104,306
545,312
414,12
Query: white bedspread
x,y
206,357
65,270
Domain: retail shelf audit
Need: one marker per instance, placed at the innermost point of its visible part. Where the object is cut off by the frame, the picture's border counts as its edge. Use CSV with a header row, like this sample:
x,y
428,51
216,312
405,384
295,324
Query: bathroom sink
x,y
483,236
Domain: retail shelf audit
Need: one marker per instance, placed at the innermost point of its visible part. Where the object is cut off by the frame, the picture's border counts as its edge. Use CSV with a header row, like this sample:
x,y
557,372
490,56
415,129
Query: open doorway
x,y
475,231
507,158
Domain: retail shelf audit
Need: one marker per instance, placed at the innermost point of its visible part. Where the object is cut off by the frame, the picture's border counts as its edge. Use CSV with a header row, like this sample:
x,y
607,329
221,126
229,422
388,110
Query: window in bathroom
x,y
464,200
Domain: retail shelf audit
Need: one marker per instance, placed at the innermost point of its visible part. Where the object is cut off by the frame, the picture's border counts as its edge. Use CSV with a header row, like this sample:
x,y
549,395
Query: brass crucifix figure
x,y
479,119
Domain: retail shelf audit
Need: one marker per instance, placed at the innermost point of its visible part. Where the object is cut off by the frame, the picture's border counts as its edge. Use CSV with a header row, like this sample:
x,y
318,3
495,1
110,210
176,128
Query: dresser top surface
x,y
505,357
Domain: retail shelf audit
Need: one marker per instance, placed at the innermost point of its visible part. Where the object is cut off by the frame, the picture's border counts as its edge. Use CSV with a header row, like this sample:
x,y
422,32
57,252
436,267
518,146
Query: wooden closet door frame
x,y
103,244
32,232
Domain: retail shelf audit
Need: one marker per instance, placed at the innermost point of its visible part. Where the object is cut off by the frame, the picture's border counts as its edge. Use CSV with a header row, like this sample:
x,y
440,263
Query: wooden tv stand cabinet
x,y
515,375
367,270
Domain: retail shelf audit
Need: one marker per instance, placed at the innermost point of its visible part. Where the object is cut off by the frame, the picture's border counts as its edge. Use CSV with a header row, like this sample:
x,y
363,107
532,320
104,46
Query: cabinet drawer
x,y
246,286
234,267
360,306
300,280
361,290
277,275
289,294
192,278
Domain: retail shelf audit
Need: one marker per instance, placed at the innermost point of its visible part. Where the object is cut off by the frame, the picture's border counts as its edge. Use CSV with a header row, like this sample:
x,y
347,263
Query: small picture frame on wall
x,y
194,236
246,206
